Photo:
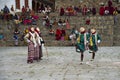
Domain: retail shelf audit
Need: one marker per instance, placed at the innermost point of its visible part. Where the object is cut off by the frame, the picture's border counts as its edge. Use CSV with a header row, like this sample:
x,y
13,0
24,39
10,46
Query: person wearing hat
x,y
30,38
82,42
40,42
94,40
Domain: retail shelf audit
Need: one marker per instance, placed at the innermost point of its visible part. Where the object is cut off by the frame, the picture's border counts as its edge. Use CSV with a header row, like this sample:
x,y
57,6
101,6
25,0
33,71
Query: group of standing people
x,y
87,41
35,43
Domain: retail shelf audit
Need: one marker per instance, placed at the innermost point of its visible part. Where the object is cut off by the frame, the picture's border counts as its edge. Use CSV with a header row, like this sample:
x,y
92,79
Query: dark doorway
x,y
33,5
36,4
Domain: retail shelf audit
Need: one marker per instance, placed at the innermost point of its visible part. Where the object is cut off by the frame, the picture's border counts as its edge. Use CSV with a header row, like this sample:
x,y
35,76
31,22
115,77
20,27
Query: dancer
x,y
30,38
40,42
82,42
94,39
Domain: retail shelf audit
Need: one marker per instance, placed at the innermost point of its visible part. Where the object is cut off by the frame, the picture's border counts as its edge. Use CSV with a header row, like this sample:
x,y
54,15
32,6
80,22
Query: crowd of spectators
x,y
104,9
56,26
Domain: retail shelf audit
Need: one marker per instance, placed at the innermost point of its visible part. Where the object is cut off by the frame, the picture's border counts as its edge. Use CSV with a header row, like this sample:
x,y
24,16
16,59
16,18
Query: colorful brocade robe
x,y
82,42
94,39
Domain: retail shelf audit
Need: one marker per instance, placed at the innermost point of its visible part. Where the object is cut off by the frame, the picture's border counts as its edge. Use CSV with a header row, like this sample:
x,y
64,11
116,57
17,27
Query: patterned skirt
x,y
40,52
31,52
36,54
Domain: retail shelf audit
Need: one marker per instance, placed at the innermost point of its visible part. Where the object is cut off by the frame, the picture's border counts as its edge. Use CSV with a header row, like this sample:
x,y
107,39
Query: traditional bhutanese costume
x,y
39,41
82,42
30,38
94,39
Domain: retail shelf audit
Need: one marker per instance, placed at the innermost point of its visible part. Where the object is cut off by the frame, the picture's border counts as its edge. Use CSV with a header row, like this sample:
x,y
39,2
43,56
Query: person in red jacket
x,y
101,10
58,34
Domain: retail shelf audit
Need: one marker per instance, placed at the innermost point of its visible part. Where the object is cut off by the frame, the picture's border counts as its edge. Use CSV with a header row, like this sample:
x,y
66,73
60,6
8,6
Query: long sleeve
x,y
26,38
98,38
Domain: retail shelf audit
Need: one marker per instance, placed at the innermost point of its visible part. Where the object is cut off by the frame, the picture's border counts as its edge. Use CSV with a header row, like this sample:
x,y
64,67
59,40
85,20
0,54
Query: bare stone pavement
x,y
61,63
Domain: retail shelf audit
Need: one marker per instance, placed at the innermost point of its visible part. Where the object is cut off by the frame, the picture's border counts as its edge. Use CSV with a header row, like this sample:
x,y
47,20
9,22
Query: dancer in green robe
x,y
81,45
94,40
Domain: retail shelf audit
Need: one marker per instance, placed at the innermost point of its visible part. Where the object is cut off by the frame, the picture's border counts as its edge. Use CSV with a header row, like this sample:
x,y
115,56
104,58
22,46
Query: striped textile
x,y
40,52
36,54
31,52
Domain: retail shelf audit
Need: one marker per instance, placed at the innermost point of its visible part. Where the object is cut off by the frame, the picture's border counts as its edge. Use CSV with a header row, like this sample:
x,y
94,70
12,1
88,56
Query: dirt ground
x,y
61,63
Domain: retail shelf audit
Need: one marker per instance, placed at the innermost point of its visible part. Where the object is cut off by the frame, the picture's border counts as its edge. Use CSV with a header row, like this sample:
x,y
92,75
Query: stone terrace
x,y
104,25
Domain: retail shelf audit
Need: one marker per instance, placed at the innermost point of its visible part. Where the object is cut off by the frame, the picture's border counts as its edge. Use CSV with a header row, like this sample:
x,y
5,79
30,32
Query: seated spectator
x,y
102,10
51,31
27,21
36,17
41,8
84,10
28,10
60,22
118,9
70,11
17,22
15,36
45,18
88,21
49,9
1,36
23,10
12,11
115,12
55,23
62,11
111,10
51,23
12,8
67,24
77,9
47,23
6,11
16,17
110,7
63,33
1,14
66,36
93,10
33,15
64,23
16,31
58,34
109,3
34,22
106,10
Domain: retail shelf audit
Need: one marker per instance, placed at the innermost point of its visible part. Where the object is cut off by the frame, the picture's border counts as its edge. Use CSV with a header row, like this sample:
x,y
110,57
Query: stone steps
x,y
104,25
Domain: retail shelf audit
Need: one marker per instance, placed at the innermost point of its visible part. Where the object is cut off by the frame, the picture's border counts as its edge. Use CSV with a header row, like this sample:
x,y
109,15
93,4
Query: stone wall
x,y
103,24
116,32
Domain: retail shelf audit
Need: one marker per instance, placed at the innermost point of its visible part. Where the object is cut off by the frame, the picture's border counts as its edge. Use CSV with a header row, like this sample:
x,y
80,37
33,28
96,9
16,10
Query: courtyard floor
x,y
61,63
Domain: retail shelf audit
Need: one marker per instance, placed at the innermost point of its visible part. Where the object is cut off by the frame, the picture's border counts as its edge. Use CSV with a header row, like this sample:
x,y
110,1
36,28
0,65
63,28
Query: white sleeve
x,y
26,38
98,41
